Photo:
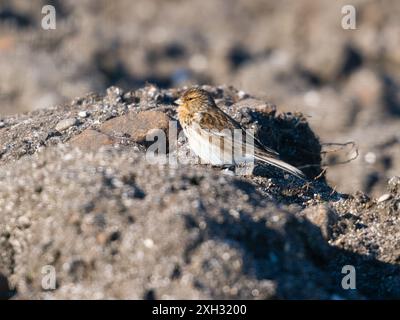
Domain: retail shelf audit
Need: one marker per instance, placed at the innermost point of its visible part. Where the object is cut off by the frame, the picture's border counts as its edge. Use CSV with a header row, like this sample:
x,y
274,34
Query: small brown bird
x,y
211,134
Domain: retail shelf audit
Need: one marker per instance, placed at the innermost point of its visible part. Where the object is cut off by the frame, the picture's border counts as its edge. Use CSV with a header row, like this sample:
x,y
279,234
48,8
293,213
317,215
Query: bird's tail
x,y
281,165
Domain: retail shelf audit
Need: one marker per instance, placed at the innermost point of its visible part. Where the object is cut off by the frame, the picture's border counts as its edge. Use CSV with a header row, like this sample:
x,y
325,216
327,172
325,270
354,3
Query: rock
x,y
370,157
394,184
366,87
24,222
257,105
91,140
137,126
65,124
242,94
82,114
383,198
114,94
322,216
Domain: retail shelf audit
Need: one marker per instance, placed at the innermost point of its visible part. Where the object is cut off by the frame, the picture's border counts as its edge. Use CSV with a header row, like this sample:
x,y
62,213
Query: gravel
x,y
115,226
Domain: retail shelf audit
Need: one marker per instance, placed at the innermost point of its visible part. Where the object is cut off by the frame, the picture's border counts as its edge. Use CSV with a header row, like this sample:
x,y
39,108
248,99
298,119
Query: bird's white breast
x,y
209,147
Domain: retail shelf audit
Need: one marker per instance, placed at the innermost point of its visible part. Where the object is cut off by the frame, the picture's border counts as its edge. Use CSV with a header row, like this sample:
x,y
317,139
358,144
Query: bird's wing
x,y
219,124
216,121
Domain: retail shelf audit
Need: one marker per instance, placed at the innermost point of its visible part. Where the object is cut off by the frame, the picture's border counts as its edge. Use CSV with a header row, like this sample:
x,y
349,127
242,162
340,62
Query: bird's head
x,y
195,99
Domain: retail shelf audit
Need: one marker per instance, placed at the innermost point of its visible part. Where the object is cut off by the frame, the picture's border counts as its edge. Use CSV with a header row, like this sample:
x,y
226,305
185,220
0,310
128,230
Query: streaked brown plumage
x,y
203,123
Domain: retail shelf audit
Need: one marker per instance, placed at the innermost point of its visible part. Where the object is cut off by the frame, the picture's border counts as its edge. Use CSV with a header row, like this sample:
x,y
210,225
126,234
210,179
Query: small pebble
x,y
227,172
384,197
65,124
241,94
370,158
149,243
82,114
395,180
24,222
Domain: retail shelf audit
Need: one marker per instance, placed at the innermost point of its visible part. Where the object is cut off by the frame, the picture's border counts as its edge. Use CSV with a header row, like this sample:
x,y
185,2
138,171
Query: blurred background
x,y
293,53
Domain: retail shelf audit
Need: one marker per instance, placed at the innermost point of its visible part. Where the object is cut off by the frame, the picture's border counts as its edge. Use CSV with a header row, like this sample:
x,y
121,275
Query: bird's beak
x,y
178,101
